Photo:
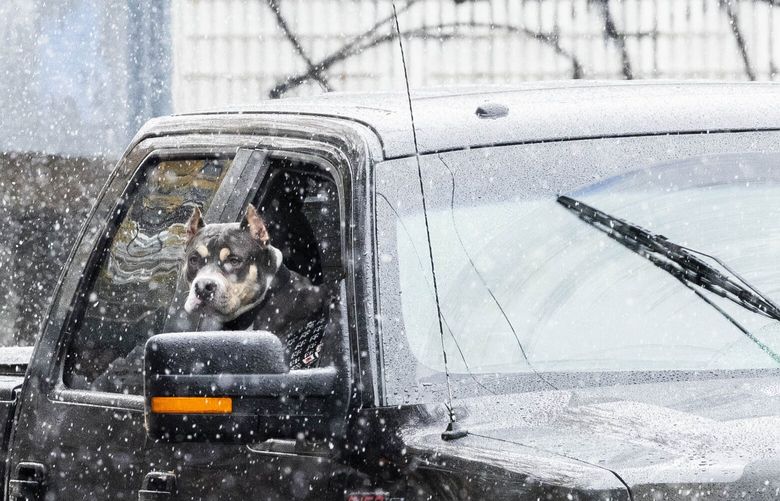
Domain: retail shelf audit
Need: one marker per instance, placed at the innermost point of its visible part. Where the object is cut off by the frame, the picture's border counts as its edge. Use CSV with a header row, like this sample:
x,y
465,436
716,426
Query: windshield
x,y
526,286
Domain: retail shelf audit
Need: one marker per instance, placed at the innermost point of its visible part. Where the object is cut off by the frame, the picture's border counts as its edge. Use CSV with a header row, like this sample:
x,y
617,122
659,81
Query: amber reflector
x,y
192,405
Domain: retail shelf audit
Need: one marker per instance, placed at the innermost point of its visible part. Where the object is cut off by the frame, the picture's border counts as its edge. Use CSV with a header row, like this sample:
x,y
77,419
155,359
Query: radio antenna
x,y
453,431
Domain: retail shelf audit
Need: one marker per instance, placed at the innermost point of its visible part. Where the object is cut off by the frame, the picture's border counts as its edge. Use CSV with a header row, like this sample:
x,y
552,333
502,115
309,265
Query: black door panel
x,y
207,472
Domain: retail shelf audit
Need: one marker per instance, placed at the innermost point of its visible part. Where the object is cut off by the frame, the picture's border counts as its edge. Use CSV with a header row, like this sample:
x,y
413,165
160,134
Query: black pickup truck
x,y
568,297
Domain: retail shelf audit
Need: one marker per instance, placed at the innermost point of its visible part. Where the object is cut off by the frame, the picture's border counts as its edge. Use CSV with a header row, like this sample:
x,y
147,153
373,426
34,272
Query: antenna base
x,y
453,432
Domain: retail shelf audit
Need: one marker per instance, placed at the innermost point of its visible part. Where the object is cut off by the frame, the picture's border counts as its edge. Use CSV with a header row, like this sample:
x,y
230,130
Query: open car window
x,y
138,286
135,281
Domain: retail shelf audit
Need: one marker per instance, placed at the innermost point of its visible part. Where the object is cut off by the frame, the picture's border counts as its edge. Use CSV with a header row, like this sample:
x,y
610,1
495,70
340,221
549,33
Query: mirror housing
x,y
230,386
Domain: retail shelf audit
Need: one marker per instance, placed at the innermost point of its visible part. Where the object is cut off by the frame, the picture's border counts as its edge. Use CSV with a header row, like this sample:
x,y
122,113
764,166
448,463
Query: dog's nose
x,y
205,289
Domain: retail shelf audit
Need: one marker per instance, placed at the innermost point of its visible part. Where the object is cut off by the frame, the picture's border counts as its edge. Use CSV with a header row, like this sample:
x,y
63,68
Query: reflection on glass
x,y
137,279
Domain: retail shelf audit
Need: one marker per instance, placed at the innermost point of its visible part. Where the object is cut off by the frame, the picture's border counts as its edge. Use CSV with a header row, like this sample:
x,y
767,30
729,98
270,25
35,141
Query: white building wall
x,y
233,51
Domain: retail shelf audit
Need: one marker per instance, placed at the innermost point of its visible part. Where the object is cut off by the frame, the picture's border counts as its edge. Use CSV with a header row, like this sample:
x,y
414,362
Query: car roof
x,y
446,118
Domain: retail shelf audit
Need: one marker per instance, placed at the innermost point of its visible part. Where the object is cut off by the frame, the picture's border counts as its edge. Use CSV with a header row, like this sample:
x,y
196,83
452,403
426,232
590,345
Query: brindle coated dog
x,y
238,278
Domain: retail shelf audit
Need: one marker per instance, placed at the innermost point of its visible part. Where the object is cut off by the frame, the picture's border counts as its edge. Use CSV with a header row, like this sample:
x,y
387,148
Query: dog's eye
x,y
194,260
234,261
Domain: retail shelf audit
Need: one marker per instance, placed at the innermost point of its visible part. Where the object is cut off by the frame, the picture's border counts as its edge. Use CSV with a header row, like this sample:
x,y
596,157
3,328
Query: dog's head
x,y
229,267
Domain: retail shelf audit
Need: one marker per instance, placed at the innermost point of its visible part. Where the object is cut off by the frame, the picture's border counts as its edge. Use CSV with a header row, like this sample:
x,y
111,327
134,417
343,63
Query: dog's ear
x,y
254,223
194,224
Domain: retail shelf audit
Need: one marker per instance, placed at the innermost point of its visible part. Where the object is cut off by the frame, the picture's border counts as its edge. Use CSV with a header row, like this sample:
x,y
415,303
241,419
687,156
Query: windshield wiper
x,y
678,260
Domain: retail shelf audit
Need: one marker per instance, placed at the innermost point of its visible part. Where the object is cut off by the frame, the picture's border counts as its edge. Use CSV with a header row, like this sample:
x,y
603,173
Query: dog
x,y
238,278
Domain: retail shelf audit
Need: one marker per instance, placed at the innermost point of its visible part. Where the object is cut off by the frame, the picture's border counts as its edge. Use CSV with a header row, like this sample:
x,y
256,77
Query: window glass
x,y
300,206
301,209
135,284
526,287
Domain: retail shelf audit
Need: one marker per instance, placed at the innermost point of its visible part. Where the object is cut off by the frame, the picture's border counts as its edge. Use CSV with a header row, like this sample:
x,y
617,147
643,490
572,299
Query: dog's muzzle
x,y
208,291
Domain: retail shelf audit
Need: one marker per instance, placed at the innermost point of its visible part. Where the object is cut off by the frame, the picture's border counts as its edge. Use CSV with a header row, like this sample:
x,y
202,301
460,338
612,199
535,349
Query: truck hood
x,y
717,438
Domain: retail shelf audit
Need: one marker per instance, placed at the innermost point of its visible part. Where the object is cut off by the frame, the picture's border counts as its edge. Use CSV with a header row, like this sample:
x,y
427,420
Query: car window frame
x,y
350,147
323,158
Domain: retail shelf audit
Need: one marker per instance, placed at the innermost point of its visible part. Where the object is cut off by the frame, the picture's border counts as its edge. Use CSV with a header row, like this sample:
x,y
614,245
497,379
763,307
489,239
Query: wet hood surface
x,y
715,439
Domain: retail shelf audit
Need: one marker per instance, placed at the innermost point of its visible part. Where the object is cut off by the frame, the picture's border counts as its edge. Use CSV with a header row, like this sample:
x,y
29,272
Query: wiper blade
x,y
678,260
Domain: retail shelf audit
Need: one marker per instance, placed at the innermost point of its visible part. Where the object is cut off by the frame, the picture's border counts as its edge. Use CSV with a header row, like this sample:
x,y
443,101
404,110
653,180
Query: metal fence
x,y
237,51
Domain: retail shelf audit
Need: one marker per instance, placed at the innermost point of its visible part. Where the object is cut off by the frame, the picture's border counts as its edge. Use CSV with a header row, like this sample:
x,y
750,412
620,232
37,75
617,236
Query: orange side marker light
x,y
192,405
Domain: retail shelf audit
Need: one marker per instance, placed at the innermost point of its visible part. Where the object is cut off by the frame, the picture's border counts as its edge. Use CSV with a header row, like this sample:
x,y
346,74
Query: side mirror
x,y
231,387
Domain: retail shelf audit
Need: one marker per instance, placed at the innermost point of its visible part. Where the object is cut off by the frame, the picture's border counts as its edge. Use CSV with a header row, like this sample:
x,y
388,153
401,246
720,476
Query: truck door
x,y
80,431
